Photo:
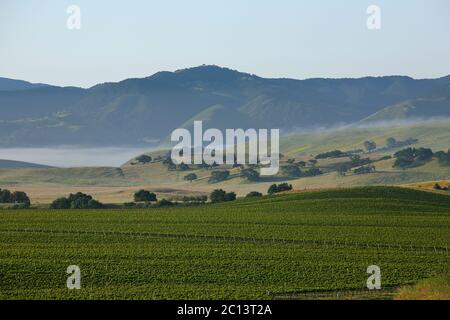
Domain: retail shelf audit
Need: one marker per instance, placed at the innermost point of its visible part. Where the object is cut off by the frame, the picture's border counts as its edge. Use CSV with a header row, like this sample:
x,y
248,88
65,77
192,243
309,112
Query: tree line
x,y
16,197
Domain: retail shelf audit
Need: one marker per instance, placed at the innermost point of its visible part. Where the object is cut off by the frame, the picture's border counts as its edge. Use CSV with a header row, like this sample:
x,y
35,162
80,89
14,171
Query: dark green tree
x,y
183,167
21,197
443,157
218,195
190,177
391,142
165,203
77,200
250,174
370,145
6,196
253,194
301,164
279,188
230,196
143,159
60,203
291,171
144,196
219,175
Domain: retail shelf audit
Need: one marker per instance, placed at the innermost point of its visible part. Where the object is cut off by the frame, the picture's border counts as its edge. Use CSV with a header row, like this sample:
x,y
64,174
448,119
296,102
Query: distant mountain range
x,y
11,84
144,111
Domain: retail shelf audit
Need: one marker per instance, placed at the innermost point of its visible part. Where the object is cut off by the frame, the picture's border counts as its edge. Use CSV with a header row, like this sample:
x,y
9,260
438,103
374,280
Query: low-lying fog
x,y
72,156
115,156
368,125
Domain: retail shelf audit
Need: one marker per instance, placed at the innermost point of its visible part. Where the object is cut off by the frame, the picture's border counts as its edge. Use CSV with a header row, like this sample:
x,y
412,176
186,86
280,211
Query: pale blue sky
x,y
277,38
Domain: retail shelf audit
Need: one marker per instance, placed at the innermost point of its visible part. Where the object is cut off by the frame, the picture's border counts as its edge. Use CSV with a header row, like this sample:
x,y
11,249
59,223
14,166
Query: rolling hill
x,y
434,106
9,164
144,111
117,185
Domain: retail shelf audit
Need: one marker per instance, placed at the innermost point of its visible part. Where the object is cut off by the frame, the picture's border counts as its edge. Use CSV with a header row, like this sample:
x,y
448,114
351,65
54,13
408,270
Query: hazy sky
x,y
276,38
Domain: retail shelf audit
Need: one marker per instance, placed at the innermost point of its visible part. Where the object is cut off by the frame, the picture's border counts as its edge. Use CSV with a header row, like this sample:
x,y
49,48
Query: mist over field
x,y
66,156
368,125
75,156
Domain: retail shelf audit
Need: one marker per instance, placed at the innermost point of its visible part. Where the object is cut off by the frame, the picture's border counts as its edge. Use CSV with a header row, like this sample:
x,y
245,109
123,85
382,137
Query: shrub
x,y
443,157
144,195
364,169
143,159
85,203
220,195
311,172
332,154
412,157
356,161
219,175
190,177
5,196
60,203
76,201
301,164
385,158
253,194
279,188
370,145
94,204
391,142
217,195
195,199
164,203
230,196
250,174
129,204
183,167
21,197
291,171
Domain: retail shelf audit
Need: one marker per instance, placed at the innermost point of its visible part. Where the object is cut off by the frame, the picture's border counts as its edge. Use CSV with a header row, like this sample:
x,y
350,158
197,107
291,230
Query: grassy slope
x,y
435,135
118,185
292,243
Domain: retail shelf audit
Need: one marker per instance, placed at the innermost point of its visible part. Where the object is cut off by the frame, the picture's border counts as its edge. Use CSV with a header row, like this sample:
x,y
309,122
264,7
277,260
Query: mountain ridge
x,y
137,110
7,84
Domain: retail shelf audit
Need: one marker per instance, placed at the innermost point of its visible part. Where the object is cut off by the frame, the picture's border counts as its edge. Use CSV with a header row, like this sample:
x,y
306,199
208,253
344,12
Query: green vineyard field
x,y
249,249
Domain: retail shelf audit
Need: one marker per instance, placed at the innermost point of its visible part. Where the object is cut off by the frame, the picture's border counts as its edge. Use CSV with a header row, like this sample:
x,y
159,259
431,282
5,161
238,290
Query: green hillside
x,y
418,108
431,134
287,245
